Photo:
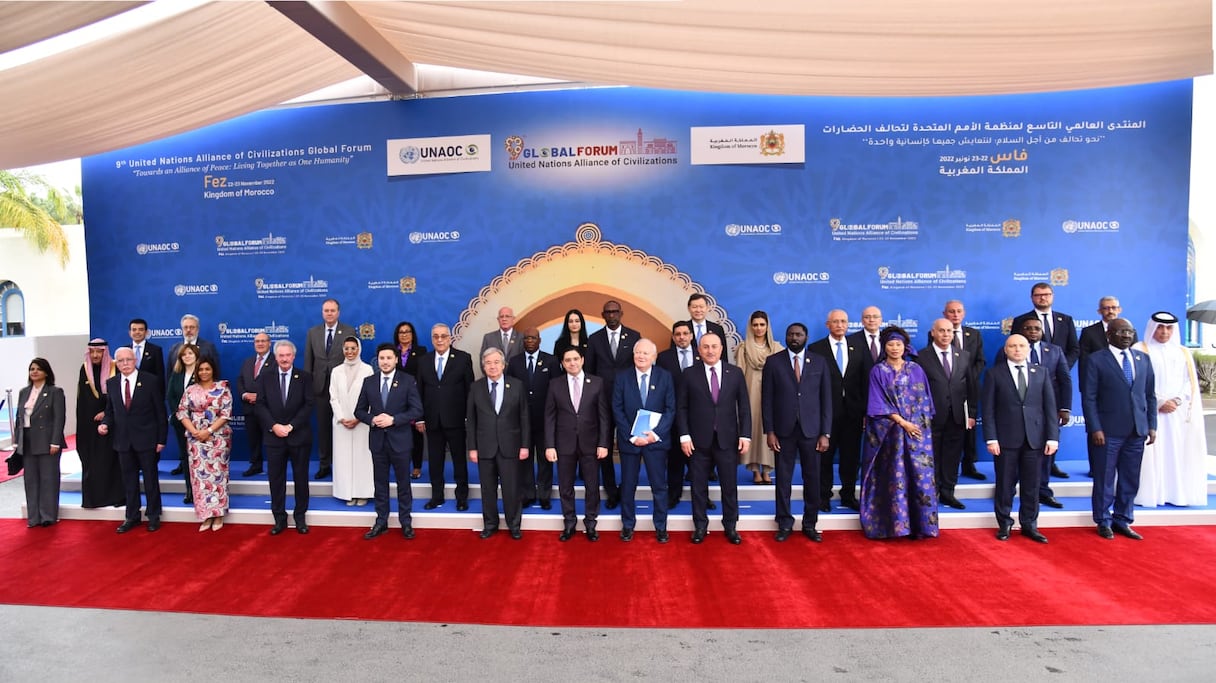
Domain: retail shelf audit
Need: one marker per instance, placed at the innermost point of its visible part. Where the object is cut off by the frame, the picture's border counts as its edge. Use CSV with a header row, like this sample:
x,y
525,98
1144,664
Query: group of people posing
x,y
896,420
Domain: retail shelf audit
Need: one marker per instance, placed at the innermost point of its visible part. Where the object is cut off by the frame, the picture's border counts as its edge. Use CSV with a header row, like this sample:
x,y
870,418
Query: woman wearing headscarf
x,y
898,490
353,481
1174,469
205,411
100,473
750,356
41,414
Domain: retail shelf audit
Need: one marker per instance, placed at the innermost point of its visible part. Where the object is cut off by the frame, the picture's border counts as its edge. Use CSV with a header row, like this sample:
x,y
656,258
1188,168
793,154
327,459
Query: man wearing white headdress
x,y
1174,467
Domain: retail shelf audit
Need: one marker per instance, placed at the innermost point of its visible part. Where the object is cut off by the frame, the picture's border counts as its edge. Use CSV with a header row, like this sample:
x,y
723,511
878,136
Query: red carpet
x,y
964,578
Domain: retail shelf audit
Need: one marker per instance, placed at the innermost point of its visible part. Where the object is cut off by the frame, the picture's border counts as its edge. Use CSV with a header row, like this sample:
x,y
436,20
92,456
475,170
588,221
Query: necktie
x,y
126,394
139,355
700,331
958,339
840,356
1021,383
798,366
531,365
439,368
257,367
576,392
643,386
1127,369
506,341
1034,354
494,396
1046,328
283,386
946,363
612,342
873,349
713,384
329,340
384,392
683,359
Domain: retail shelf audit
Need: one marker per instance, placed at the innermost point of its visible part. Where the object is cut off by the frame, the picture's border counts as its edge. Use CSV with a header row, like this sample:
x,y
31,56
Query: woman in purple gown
x,y
898,493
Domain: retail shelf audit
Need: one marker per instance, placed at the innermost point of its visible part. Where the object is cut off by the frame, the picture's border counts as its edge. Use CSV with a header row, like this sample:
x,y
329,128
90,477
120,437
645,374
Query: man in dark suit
x,y
1058,328
535,369
190,328
955,400
247,387
149,357
135,414
1020,427
505,338
578,429
643,387
284,410
444,377
323,353
796,405
844,357
389,403
714,421
867,339
681,355
1051,358
970,340
610,351
1093,337
698,308
500,437
1120,406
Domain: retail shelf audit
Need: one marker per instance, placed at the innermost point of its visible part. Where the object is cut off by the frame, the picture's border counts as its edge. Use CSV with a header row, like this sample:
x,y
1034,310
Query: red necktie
x,y
126,393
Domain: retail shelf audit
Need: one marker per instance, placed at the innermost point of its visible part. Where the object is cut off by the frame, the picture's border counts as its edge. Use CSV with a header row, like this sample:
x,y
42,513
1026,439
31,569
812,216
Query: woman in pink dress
x,y
205,411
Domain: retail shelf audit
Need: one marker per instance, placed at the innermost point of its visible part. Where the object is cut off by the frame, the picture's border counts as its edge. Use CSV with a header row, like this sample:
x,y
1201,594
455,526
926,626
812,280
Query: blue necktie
x,y
531,367
494,396
1034,354
283,385
439,370
840,356
643,388
384,393
1127,369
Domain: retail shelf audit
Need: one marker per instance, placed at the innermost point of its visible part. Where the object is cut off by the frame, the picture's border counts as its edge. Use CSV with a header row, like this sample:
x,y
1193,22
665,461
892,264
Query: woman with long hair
x,y
406,339
204,412
41,414
573,334
181,377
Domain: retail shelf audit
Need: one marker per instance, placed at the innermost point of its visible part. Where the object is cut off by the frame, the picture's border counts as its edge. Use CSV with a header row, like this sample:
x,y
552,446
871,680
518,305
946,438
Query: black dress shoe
x,y
1089,473
154,524
661,536
188,500
950,501
375,531
486,533
733,537
712,505
546,505
566,534
825,506
407,532
672,502
126,526
432,504
593,535
698,535
323,473
1105,532
301,528
1050,502
1125,530
253,471
626,535
613,502
528,502
1033,534
176,470
782,535
813,534
974,473
517,534
462,505
713,476
47,522
851,503
1002,533
278,528
1057,472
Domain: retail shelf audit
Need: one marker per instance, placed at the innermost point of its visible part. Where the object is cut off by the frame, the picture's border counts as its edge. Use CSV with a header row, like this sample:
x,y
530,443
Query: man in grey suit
x,y
1020,428
499,437
578,426
323,353
190,328
505,338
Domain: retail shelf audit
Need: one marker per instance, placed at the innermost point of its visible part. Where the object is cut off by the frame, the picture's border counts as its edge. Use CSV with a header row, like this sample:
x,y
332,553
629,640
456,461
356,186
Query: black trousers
x,y
1016,465
797,449
536,473
382,460
845,444
947,453
491,470
277,458
132,463
254,433
568,465
437,441
677,465
703,462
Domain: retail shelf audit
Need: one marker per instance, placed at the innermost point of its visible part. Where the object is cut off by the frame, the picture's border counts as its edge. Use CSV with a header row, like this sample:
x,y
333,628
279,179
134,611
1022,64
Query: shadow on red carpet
x,y
964,578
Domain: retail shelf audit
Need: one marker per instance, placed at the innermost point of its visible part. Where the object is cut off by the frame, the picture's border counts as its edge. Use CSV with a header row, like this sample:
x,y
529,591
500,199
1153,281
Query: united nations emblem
x,y
835,223
883,272
514,145
258,283
408,154
364,240
367,331
219,240
781,277
1011,228
409,285
772,144
1059,277
1006,326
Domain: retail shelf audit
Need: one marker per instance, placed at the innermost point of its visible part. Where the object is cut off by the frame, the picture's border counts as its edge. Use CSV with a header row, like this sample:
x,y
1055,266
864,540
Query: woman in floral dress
x,y
205,411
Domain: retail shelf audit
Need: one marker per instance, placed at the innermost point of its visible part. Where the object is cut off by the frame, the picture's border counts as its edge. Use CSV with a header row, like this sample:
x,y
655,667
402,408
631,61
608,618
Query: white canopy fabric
x,y
225,59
